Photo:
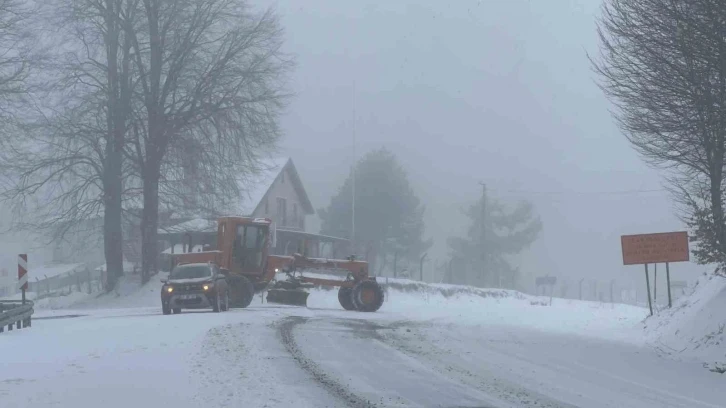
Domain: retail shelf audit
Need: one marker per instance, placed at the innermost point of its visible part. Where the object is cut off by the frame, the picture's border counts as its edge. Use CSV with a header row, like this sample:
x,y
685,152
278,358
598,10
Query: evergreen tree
x,y
482,258
388,214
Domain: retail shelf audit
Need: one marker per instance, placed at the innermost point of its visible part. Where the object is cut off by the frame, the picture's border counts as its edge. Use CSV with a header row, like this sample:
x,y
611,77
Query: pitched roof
x,y
300,188
253,189
256,187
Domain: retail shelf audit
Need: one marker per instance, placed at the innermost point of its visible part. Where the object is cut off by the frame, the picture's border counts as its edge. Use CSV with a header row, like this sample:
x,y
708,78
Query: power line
x,y
620,192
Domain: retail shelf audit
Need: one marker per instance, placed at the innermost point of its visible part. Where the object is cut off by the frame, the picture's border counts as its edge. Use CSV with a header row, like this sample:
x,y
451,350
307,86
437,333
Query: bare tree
x,y
69,160
15,53
663,65
211,87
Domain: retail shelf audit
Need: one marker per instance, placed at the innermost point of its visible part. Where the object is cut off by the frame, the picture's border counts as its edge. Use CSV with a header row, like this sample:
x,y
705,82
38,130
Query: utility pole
x,y
450,272
482,227
420,270
352,221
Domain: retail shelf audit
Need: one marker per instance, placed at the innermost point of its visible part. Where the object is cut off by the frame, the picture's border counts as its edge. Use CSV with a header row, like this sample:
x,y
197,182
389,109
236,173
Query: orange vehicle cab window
x,y
249,244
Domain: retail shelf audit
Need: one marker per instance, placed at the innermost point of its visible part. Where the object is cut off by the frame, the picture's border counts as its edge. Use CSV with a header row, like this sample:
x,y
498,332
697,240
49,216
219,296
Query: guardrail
x,y
15,312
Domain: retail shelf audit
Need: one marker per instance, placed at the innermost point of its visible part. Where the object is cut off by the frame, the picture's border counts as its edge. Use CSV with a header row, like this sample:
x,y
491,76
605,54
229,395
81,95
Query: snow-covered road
x,y
285,356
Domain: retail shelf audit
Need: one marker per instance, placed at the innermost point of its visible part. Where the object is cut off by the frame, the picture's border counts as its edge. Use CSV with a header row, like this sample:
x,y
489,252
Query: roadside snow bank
x,y
489,307
129,293
695,328
61,301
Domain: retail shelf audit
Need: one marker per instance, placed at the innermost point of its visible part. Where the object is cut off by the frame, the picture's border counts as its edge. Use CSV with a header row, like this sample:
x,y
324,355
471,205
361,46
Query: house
x,y
276,192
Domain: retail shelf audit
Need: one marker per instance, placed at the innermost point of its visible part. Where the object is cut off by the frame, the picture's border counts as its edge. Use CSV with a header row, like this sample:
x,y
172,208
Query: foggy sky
x,y
464,92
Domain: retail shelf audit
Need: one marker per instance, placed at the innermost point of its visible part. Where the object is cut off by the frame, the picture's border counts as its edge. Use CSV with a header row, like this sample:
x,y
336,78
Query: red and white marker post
x,y
23,273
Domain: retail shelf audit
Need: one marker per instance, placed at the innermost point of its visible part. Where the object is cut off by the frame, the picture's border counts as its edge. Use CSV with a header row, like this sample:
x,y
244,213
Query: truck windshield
x,y
191,272
249,243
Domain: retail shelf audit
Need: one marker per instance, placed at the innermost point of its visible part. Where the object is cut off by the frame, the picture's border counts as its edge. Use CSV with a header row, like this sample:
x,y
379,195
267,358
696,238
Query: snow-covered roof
x,y
193,225
255,187
50,271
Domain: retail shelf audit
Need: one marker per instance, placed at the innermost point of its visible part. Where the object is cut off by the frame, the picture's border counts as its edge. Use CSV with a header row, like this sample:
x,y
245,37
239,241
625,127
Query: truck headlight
x,y
206,287
169,289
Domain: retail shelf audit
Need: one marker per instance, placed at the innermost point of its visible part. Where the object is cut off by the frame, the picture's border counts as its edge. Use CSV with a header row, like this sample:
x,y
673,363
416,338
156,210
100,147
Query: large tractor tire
x,y
241,291
345,297
367,296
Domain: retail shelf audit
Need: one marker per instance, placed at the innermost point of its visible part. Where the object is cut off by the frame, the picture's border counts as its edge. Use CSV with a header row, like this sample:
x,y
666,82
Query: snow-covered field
x,y
430,345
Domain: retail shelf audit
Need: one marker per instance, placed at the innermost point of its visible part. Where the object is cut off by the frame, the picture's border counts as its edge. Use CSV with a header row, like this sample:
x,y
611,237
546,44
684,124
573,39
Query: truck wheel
x,y
225,305
217,303
345,298
242,291
367,296
177,310
165,309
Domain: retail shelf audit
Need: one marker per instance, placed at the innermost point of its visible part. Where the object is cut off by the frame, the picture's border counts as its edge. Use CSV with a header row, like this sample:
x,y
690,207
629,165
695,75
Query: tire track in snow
x,y
434,357
332,385
384,378
237,365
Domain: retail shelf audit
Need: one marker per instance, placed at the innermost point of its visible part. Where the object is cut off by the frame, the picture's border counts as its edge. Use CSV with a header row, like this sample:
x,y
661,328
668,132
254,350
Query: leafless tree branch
x,y
663,65
212,83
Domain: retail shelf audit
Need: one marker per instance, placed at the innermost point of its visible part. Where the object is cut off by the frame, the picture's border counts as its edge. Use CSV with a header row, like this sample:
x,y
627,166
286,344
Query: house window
x,y
267,206
282,211
294,213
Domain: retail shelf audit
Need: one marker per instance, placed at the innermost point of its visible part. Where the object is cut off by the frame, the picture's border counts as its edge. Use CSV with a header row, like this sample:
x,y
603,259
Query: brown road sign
x,y
655,248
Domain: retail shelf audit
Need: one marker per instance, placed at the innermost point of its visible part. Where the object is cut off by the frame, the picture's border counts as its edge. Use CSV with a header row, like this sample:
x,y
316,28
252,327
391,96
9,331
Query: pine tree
x,y
484,259
388,214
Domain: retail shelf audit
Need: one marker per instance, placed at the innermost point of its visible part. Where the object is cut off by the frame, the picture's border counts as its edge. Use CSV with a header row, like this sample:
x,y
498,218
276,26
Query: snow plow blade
x,y
288,297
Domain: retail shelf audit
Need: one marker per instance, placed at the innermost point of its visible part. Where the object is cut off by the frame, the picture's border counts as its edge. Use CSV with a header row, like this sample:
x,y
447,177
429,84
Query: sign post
x,y
647,287
23,273
657,248
655,283
545,281
668,281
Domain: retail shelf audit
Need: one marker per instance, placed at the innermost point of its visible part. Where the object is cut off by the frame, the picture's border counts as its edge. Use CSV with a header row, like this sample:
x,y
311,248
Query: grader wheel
x,y
345,298
241,291
367,296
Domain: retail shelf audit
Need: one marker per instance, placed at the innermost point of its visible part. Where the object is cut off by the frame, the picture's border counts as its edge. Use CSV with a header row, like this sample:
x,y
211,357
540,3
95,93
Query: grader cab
x,y
243,253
